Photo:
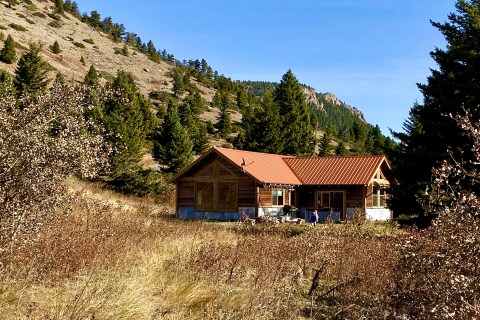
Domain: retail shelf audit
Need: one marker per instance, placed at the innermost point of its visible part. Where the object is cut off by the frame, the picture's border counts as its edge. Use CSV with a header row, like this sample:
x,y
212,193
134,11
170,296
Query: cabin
x,y
224,184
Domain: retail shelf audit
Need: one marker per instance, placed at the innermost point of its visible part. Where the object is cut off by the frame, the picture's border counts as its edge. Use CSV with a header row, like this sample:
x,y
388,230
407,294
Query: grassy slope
x,y
117,257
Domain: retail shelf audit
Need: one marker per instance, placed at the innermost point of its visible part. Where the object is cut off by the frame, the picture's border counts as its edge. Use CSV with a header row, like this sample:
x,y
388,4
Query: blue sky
x,y
369,53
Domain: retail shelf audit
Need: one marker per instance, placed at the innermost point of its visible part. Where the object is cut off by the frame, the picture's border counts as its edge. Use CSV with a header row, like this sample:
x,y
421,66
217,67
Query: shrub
x,y
89,40
30,21
122,51
51,150
141,183
55,24
31,7
438,276
55,16
79,44
39,14
17,27
55,47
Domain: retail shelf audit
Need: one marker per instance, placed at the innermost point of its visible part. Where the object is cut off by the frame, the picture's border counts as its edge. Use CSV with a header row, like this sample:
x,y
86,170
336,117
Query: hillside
x,y
43,26
99,48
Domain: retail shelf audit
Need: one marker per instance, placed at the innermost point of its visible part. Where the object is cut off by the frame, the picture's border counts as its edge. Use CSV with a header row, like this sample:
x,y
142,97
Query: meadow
x,y
122,257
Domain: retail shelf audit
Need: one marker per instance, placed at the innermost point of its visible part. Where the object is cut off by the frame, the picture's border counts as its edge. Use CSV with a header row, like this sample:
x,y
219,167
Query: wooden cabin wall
x,y
186,193
246,193
355,197
216,170
265,197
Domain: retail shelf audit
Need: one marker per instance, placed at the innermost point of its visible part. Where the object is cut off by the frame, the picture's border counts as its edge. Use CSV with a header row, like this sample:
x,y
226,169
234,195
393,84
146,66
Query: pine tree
x,y
189,113
324,148
172,146
178,83
242,99
224,124
94,20
341,150
91,78
269,127
31,73
55,47
295,113
127,117
59,6
6,80
59,80
152,52
7,54
429,132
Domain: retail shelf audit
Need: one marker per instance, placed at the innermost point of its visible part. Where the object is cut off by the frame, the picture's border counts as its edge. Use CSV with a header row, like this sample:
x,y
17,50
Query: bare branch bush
x,y
439,274
42,141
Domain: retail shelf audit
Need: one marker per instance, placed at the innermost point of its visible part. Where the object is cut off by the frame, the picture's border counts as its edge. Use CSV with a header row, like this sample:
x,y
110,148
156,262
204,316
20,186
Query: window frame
x,y
378,196
276,197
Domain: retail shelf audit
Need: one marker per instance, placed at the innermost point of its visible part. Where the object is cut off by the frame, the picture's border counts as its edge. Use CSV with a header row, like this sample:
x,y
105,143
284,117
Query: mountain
x,y
86,41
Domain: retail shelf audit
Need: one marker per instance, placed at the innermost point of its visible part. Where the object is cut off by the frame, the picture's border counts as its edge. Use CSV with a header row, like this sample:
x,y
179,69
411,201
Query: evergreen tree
x,y
189,113
59,80
224,124
59,6
178,83
152,52
127,117
95,20
67,6
269,127
341,150
91,78
429,132
6,80
55,47
359,133
172,146
242,99
297,128
7,54
31,73
324,148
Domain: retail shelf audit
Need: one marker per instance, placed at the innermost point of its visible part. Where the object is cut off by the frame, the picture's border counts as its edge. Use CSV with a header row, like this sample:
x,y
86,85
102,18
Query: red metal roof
x,y
263,167
356,170
279,169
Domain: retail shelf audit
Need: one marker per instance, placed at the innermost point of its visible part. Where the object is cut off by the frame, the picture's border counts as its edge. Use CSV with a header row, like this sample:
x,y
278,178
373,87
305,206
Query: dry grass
x,y
118,257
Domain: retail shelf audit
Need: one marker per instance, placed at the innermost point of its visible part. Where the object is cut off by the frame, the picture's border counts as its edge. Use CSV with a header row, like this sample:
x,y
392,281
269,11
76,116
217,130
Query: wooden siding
x,y
218,171
186,193
355,197
246,193
265,197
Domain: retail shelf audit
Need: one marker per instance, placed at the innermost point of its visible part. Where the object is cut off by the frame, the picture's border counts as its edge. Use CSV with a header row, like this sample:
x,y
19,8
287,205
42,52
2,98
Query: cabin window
x,y
378,195
327,200
277,197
